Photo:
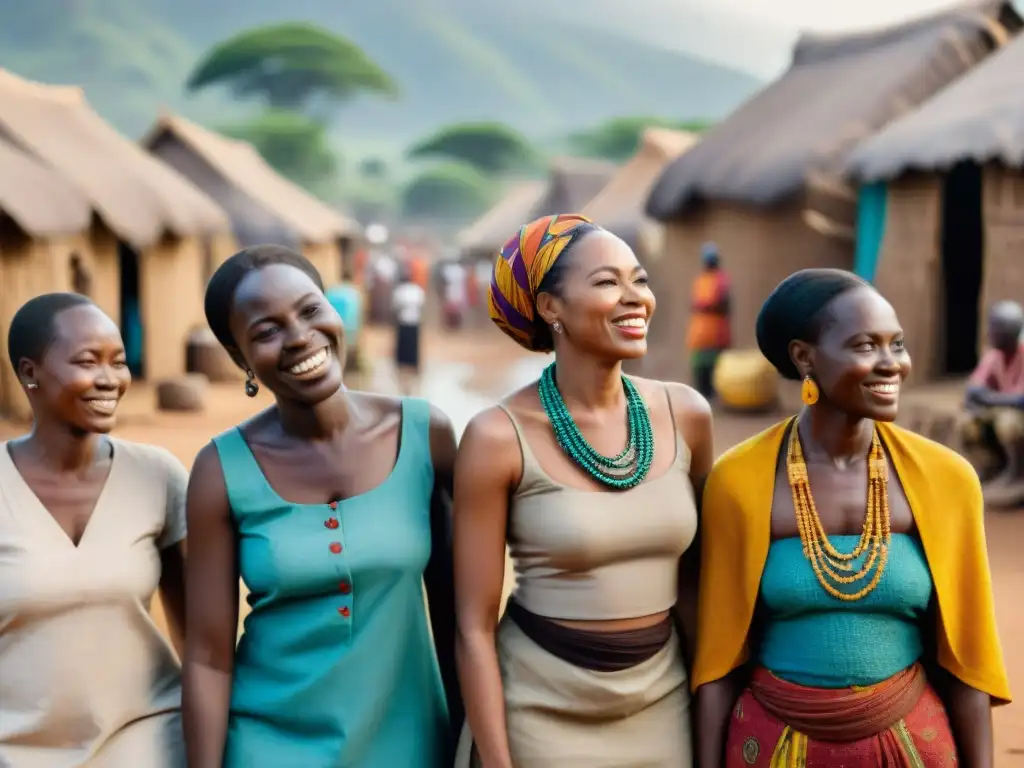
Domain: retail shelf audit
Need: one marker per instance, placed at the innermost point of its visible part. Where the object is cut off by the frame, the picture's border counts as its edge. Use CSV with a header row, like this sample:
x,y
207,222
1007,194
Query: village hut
x,y
572,183
949,238
485,236
44,222
619,207
141,259
264,207
767,185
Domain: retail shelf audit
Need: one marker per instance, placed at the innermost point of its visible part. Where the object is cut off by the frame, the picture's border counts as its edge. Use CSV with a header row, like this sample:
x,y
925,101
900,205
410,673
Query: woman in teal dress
x,y
333,506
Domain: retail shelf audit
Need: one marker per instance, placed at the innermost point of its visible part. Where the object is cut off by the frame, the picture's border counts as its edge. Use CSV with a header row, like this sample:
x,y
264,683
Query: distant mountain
x,y
543,66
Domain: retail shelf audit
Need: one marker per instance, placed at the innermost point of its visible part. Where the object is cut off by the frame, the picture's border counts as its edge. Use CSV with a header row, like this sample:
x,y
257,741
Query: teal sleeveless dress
x,y
336,666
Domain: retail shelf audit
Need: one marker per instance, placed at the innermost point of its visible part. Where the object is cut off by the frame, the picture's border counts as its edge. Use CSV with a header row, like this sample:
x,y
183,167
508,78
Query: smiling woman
x,y
591,478
90,527
845,559
333,507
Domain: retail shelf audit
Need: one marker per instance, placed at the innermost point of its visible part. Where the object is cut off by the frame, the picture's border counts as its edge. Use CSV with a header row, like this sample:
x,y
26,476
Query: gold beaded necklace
x,y
832,567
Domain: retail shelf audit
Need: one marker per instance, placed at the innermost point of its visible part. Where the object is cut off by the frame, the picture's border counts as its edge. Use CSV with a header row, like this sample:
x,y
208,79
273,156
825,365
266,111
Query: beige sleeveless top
x,y
599,555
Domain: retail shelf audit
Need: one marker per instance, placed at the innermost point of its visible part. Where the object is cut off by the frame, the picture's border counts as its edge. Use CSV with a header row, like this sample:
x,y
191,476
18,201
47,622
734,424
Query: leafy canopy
x,y
293,144
291,66
452,191
490,148
618,139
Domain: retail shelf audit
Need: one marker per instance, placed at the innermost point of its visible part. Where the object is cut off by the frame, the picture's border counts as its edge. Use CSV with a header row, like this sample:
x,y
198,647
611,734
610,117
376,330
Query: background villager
x,y
709,332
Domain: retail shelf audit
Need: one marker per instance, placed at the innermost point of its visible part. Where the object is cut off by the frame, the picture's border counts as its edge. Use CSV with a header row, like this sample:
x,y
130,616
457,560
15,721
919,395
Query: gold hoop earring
x,y
251,387
809,391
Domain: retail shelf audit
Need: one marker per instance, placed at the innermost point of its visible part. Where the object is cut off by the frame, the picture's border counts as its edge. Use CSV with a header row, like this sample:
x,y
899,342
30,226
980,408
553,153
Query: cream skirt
x,y
561,716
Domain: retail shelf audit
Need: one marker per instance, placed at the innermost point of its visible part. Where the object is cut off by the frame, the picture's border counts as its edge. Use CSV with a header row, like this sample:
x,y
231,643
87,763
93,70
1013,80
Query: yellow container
x,y
745,381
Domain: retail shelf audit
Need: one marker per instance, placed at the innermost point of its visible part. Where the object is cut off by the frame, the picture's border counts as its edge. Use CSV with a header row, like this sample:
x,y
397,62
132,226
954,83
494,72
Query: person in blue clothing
x,y
347,300
333,506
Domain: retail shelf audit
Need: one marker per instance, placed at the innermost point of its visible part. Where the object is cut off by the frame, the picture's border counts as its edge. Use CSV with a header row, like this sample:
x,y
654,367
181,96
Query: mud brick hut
x,y
142,255
619,207
950,240
768,184
482,239
264,207
43,222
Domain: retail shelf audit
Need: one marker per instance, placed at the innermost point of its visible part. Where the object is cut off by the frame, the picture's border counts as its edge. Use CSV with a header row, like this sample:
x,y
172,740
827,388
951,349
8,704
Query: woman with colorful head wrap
x,y
589,477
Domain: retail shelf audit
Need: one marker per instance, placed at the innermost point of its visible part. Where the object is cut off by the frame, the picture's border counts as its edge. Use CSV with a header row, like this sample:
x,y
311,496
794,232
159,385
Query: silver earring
x,y
33,385
556,327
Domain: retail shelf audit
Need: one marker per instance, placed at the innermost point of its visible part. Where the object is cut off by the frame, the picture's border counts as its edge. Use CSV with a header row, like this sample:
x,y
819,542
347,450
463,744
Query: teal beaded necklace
x,y
629,468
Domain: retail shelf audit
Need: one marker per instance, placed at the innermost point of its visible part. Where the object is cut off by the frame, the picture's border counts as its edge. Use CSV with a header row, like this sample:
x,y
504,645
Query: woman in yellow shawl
x,y
845,613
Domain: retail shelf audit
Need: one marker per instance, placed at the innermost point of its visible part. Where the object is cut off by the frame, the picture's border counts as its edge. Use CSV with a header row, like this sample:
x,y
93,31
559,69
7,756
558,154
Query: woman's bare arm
x,y
439,577
211,589
172,554
715,701
486,469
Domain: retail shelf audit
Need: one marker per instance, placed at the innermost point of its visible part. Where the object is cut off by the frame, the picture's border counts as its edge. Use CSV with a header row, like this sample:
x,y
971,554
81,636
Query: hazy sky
x,y
756,35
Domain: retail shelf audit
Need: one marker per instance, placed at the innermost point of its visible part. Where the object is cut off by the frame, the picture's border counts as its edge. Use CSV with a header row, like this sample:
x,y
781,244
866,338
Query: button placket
x,y
332,524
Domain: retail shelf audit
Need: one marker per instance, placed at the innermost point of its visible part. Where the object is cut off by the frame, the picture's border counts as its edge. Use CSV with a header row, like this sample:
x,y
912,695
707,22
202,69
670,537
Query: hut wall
x,y
759,247
29,268
910,267
1003,222
326,257
171,299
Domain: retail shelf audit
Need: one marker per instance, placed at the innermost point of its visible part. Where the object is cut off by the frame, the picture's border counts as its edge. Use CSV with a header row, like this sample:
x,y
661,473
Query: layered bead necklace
x,y
626,470
832,567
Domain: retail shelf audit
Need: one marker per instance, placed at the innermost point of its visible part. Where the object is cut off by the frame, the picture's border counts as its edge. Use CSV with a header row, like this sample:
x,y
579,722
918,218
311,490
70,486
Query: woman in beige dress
x,y
586,667
90,527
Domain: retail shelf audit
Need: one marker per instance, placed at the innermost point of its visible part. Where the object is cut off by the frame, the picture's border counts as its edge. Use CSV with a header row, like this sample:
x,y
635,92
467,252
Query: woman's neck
x,y
319,422
590,383
61,447
827,433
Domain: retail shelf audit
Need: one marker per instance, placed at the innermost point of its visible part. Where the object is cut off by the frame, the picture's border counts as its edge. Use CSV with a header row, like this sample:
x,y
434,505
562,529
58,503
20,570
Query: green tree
x,y
618,139
294,65
491,148
452,191
293,144
373,168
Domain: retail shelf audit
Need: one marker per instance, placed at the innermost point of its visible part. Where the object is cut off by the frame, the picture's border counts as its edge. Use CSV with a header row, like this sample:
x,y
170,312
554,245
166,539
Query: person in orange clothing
x,y
846,615
709,332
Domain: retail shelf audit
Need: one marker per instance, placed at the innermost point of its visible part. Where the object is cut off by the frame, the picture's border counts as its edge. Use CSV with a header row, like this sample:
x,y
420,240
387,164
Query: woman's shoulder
x,y
150,459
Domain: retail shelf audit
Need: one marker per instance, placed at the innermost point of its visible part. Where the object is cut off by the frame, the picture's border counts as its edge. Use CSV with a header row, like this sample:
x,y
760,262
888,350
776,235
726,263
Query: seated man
x,y
993,428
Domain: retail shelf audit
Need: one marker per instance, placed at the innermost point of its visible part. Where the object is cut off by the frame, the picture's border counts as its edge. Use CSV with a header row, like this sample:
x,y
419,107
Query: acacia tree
x,y
449,192
294,66
618,139
490,148
293,144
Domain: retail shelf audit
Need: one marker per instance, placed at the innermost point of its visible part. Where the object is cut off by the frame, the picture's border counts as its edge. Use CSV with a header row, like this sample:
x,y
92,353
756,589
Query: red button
x,y
331,522
333,505
336,547
344,611
345,587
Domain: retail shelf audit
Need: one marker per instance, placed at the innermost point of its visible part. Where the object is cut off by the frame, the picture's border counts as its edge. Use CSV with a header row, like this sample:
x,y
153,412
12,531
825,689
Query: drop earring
x,y
809,391
251,387
32,385
556,327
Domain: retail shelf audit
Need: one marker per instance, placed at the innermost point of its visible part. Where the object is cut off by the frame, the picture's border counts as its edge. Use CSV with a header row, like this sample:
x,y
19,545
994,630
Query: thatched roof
x,y
139,198
573,182
497,224
979,117
621,201
241,166
37,199
800,130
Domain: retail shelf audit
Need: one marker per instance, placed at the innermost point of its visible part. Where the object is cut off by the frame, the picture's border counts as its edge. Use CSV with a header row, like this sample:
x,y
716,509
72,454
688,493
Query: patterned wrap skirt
x,y
898,723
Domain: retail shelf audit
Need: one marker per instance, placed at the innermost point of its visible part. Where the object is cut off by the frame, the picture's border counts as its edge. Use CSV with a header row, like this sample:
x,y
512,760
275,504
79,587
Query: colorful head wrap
x,y
520,269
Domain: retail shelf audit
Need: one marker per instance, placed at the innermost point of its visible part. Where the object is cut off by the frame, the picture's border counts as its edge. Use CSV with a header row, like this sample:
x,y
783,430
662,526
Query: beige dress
x,y
86,678
591,555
